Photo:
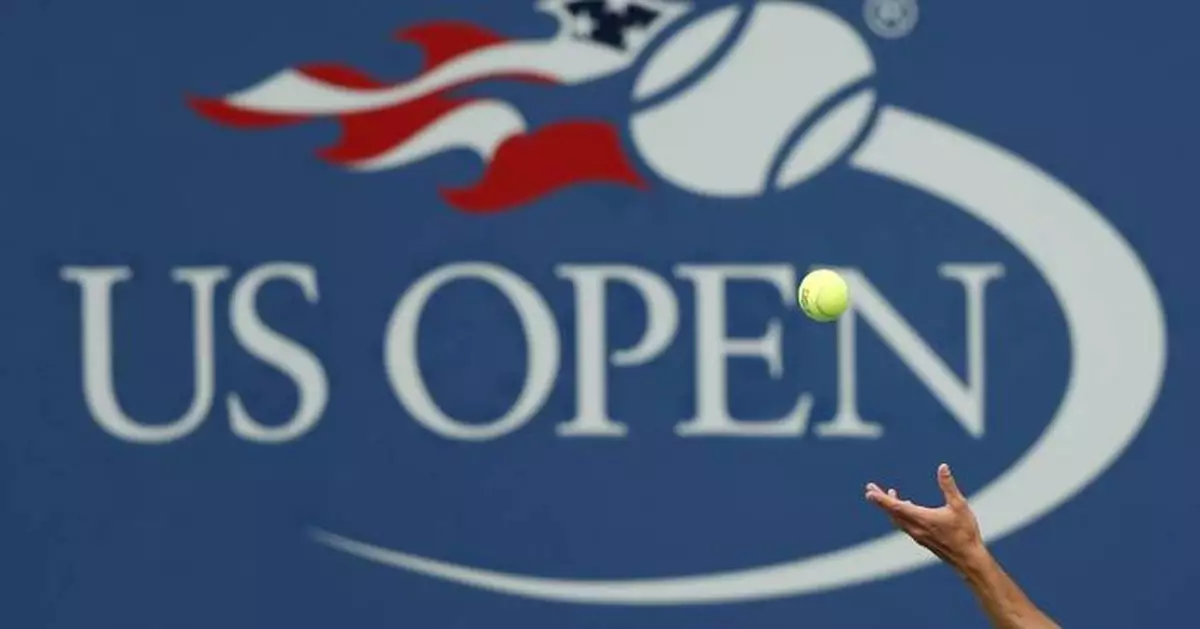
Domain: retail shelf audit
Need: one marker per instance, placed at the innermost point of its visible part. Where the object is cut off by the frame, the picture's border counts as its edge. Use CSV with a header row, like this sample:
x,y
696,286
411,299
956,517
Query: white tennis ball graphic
x,y
732,132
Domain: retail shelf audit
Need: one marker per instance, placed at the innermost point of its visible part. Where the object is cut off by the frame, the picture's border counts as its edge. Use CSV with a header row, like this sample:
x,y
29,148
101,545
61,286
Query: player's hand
x,y
949,531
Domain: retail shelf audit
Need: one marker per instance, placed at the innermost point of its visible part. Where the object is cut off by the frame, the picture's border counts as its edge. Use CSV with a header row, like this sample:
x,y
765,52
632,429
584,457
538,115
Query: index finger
x,y
892,504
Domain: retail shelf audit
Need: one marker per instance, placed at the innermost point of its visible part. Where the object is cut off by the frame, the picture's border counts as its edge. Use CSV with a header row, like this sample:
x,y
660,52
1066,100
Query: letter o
x,y
541,349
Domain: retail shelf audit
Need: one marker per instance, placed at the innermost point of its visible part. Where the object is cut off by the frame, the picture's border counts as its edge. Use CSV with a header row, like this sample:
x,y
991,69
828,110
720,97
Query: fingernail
x,y
944,469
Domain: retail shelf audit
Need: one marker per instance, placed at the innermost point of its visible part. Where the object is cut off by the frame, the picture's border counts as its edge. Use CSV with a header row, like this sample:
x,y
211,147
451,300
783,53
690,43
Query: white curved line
x,y
1118,355
1118,346
563,60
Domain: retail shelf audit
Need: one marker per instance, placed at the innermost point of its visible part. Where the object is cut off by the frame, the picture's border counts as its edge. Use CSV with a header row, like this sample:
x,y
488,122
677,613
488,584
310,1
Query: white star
x,y
617,6
583,25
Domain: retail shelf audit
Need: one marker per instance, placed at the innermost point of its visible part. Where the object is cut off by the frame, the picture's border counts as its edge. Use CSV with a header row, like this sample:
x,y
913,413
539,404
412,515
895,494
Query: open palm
x,y
949,531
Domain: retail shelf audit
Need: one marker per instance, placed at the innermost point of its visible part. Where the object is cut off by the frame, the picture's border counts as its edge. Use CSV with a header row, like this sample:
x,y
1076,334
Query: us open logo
x,y
727,60
800,80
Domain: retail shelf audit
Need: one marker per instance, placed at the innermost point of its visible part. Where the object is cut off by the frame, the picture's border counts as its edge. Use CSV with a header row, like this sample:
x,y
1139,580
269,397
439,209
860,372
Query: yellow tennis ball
x,y
823,295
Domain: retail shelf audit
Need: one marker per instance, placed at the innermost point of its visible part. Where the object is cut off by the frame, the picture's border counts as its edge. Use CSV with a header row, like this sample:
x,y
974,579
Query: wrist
x,y
974,562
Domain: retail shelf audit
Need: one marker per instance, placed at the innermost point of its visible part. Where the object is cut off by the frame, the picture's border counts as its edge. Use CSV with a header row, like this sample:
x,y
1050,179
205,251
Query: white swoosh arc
x,y
1118,359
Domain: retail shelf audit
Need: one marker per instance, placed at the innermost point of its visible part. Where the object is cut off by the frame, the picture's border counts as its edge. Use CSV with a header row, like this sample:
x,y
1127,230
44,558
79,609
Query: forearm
x,y
1003,601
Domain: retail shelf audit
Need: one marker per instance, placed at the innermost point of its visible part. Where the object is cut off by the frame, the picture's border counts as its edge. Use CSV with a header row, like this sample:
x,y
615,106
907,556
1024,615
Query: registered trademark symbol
x,y
891,19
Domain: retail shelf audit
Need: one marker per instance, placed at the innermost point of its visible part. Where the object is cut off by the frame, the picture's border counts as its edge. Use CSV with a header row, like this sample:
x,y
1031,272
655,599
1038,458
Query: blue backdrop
x,y
181,449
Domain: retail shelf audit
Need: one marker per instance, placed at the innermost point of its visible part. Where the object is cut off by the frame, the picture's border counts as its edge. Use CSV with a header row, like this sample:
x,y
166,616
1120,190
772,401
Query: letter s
x,y
279,351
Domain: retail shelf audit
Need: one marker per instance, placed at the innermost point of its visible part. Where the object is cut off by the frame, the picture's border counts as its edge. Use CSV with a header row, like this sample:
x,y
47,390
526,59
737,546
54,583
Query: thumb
x,y
949,487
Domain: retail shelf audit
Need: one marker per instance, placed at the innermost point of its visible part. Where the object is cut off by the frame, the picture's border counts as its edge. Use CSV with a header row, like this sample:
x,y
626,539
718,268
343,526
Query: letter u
x,y
96,285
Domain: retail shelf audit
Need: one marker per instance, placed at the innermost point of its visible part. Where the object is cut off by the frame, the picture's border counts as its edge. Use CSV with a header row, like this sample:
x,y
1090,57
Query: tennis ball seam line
x,y
847,90
696,75
816,303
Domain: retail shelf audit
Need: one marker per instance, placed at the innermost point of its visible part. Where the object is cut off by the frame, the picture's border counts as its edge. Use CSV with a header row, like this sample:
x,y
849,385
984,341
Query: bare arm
x,y
1002,599
952,533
